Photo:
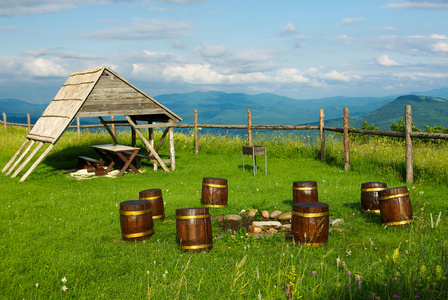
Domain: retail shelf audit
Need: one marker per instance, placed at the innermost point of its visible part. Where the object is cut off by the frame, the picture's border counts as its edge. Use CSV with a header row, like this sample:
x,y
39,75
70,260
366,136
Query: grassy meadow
x,y
61,237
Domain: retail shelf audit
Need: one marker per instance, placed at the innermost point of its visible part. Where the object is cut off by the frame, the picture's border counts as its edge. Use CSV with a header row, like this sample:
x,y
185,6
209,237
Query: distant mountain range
x,y
429,108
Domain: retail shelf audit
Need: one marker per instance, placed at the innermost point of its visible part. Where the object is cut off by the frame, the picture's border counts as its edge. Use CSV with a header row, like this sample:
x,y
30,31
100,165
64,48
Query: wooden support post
x,y
36,163
172,152
322,134
27,160
28,121
15,155
151,135
133,137
249,126
21,157
346,141
78,127
409,156
108,130
196,132
5,122
112,118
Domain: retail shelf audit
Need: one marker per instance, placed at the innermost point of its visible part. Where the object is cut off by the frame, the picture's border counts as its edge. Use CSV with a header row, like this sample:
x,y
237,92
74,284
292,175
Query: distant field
x,y
61,237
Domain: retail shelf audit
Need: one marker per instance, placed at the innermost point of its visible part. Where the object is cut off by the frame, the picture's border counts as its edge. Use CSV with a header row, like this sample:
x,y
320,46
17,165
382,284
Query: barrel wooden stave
x,y
194,229
136,220
156,199
369,196
395,206
304,191
214,192
308,229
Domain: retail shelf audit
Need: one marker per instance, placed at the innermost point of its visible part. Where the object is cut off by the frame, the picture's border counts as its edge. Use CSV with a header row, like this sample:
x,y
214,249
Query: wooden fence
x,y
408,134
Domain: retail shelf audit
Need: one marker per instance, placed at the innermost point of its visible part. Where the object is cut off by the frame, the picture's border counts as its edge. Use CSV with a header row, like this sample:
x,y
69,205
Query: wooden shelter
x,y
98,92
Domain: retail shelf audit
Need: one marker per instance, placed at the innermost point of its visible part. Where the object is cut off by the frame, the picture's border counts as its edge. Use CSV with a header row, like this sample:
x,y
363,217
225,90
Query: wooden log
x,y
346,140
112,118
196,132
78,128
249,126
28,121
409,156
5,122
27,160
108,130
322,134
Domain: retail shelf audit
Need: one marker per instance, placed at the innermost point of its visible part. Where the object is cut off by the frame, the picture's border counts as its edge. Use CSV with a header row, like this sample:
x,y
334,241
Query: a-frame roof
x,y
96,92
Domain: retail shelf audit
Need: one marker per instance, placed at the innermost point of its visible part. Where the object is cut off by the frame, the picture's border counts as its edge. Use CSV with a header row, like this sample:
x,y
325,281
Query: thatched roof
x,y
96,92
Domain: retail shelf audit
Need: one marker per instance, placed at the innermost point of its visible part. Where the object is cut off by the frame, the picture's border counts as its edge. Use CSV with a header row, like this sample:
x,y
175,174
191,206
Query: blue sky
x,y
300,49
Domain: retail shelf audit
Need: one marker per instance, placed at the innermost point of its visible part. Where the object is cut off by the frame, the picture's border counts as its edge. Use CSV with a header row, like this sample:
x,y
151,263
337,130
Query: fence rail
x,y
408,134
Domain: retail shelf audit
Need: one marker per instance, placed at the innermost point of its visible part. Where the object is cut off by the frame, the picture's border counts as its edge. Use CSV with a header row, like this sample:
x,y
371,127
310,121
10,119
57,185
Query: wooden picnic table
x,y
114,154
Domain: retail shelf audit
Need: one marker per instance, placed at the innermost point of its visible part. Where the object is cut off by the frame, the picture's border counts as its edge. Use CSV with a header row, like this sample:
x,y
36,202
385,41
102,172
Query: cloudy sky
x,y
296,48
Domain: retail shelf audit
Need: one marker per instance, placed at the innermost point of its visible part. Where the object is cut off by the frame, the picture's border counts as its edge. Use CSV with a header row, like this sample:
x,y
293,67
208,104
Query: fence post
x,y
249,126
196,132
409,156
28,120
322,134
346,141
5,121
78,127
113,125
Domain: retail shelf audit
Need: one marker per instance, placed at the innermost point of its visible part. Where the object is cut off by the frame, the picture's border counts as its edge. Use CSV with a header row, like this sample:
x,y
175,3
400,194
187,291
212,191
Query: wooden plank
x,y
127,111
20,158
14,156
148,145
36,163
409,156
27,160
157,125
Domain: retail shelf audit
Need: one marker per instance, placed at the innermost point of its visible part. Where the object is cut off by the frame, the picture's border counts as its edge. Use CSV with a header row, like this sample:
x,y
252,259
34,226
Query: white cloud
x,y
384,60
418,5
288,29
142,29
290,75
348,21
211,50
440,47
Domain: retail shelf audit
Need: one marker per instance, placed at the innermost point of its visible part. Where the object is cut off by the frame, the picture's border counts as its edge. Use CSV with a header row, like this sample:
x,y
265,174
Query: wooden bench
x,y
92,165
137,162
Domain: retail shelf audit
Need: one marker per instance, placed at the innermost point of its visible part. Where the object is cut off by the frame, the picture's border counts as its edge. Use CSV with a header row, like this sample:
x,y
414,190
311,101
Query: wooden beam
x,y
409,156
322,134
15,155
346,140
147,144
27,160
154,125
162,139
108,130
21,157
36,163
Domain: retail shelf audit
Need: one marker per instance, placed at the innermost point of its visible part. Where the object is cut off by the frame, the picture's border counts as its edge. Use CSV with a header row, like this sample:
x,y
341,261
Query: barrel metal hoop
x,y
310,215
305,188
195,247
135,213
136,235
213,205
159,216
151,198
221,186
314,244
372,211
400,222
373,189
193,217
393,196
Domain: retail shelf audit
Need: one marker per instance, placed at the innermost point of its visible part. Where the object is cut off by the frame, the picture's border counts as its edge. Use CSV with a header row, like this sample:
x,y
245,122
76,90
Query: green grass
x,y
57,227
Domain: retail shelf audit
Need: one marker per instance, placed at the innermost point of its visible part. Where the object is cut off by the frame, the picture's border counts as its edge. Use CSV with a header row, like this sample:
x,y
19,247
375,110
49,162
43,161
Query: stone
x,y
220,218
233,217
265,214
286,226
252,213
267,224
336,222
285,216
275,214
271,231
255,229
